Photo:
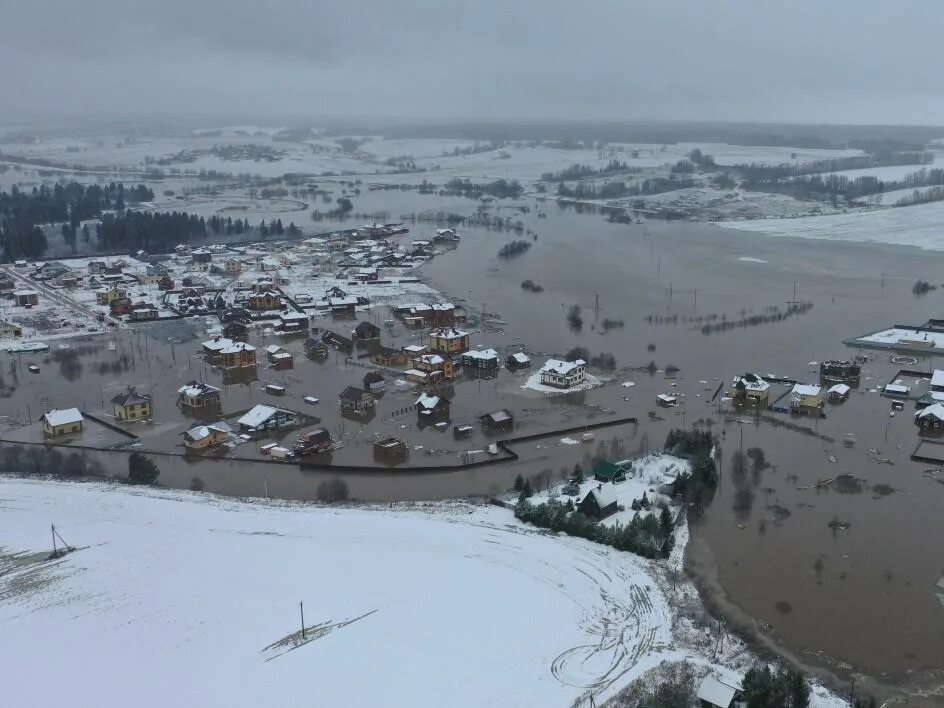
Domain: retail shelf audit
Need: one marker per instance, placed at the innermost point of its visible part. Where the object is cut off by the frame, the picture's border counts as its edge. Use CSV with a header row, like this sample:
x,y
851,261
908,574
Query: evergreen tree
x,y
526,492
519,483
578,473
141,470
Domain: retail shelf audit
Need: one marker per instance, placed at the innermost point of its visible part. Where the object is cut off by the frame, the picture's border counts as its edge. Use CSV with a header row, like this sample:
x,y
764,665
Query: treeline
x,y
697,486
21,212
580,171
759,172
154,232
617,189
514,248
935,194
500,189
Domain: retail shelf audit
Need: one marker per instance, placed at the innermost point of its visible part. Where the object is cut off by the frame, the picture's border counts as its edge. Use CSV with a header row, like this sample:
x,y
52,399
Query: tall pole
x,y
53,527
301,609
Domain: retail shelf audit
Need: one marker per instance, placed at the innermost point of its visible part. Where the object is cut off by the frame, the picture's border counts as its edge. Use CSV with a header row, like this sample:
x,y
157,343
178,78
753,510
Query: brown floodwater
x,y
860,600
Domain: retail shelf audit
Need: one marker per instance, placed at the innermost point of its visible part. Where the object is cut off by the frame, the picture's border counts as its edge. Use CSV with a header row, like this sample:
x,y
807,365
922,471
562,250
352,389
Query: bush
x,y
141,470
332,491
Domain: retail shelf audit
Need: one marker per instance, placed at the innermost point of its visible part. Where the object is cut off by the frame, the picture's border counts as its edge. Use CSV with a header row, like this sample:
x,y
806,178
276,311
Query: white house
x,y
806,396
563,374
751,388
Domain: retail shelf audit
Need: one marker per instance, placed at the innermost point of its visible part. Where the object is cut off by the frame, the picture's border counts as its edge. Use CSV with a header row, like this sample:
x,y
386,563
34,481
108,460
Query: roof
x,y
342,301
752,382
521,358
294,316
716,692
431,359
20,293
482,354
366,326
806,390
937,378
65,416
236,347
198,433
557,366
273,349
933,411
130,398
499,416
218,344
414,348
257,415
606,469
352,393
428,402
839,389
604,494
373,377
415,372
448,333
896,388
194,389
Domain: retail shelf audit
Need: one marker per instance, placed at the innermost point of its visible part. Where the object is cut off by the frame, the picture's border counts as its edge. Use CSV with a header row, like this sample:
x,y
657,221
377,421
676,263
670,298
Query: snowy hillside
x,y
185,599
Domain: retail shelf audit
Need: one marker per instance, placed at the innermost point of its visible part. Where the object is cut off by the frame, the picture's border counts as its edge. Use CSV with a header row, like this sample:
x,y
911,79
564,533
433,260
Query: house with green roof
x,y
604,471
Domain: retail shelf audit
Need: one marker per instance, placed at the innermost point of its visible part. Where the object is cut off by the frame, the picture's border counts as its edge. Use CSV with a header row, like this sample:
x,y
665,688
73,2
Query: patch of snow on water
x,y
750,259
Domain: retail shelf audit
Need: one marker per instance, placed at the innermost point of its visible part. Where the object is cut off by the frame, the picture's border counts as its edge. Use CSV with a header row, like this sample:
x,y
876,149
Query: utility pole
x,y
301,609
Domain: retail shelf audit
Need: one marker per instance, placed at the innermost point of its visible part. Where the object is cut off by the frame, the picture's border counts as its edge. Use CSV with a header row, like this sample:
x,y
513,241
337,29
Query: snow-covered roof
x,y
937,378
198,433
935,411
64,416
342,301
806,390
896,388
521,358
294,316
839,389
448,333
482,354
218,344
273,349
257,415
192,390
415,373
236,347
414,348
605,494
557,366
427,401
715,692
431,359
752,382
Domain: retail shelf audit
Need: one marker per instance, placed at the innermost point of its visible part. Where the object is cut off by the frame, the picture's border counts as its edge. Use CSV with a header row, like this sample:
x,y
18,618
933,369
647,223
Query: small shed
x,y
838,392
431,409
604,471
313,441
374,382
599,502
356,401
498,421
391,450
518,360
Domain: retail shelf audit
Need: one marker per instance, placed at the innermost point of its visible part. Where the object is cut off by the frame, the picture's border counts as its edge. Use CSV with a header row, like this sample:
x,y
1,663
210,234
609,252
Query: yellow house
x,y
449,340
62,422
132,405
206,436
108,296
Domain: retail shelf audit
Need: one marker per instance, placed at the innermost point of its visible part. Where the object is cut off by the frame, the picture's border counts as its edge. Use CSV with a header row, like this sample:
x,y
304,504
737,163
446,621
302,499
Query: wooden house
x,y
563,374
316,349
431,409
143,312
293,323
356,401
120,306
312,442
498,421
751,389
482,361
27,298
238,355
366,332
278,357
438,367
374,382
197,396
131,405
236,331
518,360
337,341
266,300
449,341
65,421
391,450
385,356
599,502
343,306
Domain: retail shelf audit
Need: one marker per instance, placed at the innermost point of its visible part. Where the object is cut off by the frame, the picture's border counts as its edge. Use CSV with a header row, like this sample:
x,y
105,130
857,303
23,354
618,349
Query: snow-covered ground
x,y
189,599
533,383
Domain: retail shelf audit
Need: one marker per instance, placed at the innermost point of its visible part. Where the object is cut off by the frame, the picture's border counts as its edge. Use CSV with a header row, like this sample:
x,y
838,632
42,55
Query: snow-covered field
x,y
188,599
905,226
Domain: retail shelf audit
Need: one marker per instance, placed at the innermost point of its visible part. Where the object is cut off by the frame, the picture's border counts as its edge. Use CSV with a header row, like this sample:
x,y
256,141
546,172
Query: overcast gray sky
x,y
855,61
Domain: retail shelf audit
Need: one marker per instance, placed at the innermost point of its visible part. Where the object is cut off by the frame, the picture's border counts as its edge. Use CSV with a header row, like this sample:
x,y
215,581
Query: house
x,y
391,450
356,401
278,357
937,380
714,692
96,267
232,266
385,356
838,392
374,382
563,374
446,235
203,437
839,370
896,389
236,332
201,257
315,349
10,330
199,397
366,332
7,283
236,314
106,297
342,306
293,323
26,298
498,421
436,366
143,312
431,409
518,360
337,341
751,389
61,421
313,442
449,341
931,418
667,400
414,350
604,471
120,306
483,361
806,397
212,349
131,405
165,283
599,502
267,300
238,355
262,418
